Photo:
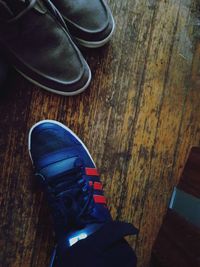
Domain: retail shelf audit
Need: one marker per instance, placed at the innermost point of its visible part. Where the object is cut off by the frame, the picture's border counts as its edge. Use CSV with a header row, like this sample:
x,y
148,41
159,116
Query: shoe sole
x,y
98,44
56,91
53,255
64,127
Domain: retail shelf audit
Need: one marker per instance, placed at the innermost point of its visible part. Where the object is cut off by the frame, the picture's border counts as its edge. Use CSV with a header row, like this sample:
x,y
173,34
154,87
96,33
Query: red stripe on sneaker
x,y
97,186
99,199
91,172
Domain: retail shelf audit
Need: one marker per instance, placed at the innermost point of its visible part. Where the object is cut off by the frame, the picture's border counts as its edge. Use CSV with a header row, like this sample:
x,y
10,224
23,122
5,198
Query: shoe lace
x,y
30,4
71,199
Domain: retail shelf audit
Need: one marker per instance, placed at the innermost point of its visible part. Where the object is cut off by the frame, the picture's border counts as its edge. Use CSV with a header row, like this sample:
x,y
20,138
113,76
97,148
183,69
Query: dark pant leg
x,y
105,248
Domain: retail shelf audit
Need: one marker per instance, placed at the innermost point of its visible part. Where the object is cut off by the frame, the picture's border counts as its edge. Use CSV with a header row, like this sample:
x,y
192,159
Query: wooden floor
x,y
139,118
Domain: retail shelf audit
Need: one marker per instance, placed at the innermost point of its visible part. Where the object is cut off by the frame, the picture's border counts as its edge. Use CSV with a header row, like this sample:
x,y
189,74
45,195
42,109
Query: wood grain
x,y
139,118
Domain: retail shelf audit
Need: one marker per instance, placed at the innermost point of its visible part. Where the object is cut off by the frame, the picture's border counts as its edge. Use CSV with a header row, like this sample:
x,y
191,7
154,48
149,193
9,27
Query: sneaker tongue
x,y
61,167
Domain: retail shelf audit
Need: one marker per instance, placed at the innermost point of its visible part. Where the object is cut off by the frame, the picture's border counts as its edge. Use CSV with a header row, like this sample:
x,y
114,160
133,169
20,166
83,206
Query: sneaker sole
x,y
53,255
64,127
56,91
89,44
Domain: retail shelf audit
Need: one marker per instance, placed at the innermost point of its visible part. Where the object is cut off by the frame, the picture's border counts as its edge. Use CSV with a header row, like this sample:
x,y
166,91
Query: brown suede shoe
x,y
36,41
89,21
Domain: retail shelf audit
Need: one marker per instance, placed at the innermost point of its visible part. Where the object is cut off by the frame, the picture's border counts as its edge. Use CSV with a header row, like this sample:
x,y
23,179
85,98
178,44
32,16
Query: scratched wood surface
x,y
139,118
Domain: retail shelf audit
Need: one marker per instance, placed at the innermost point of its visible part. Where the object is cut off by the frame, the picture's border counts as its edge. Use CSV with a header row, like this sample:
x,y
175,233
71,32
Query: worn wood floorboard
x,y
139,118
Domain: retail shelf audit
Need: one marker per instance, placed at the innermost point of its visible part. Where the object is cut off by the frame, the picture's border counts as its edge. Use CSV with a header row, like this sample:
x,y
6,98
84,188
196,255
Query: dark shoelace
x,y
71,199
29,4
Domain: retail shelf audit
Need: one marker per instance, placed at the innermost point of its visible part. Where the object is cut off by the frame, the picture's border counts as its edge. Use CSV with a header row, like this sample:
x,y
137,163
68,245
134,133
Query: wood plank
x,y
139,118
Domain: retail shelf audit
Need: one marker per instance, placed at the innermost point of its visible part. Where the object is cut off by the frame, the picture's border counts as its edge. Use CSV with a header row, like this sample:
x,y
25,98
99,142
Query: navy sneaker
x,y
70,181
